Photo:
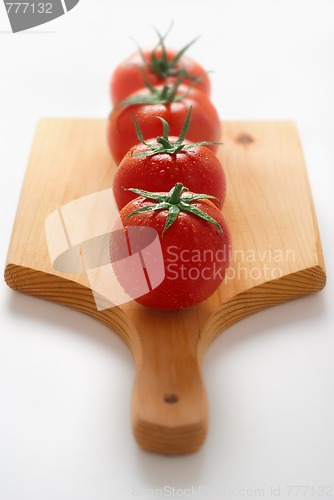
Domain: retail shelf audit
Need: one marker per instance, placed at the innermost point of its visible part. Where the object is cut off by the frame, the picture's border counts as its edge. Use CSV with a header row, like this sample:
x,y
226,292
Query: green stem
x,y
174,204
175,194
163,144
164,93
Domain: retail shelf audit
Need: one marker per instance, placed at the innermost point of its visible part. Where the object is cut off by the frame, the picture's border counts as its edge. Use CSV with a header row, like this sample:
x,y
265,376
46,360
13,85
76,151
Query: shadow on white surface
x,y
156,471
68,319
266,384
282,317
180,471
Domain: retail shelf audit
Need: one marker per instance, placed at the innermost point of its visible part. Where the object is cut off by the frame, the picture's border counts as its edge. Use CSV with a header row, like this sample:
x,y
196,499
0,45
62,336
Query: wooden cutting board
x,y
276,257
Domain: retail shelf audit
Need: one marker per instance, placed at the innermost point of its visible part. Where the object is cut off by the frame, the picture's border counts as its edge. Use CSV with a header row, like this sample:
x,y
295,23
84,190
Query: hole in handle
x,y
171,398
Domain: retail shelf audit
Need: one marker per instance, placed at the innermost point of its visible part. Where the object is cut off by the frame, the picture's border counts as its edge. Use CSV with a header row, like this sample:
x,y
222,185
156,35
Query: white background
x,y
65,380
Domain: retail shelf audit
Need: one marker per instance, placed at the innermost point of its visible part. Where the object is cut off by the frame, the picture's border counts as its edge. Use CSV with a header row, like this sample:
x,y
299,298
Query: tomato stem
x,y
164,92
174,202
159,63
163,144
175,193
165,95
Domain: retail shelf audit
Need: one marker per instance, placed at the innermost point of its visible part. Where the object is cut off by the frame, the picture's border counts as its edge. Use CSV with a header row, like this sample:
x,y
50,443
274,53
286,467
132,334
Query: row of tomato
x,y
163,133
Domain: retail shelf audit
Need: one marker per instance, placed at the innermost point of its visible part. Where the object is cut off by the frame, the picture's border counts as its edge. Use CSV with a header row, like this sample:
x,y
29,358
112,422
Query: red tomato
x,y
198,168
205,124
130,75
195,251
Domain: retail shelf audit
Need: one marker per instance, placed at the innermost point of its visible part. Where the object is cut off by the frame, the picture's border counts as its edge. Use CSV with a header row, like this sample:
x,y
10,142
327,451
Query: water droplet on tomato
x,y
162,173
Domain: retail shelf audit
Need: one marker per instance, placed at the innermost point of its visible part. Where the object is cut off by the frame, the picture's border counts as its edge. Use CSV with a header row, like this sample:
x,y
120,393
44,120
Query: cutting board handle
x,y
169,405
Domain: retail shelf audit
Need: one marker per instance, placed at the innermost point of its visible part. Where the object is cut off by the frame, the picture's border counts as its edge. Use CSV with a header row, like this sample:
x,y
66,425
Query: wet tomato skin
x,y
197,168
195,254
205,124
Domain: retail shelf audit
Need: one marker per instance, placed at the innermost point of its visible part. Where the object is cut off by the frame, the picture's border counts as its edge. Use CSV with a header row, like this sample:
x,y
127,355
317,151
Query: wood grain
x,y
276,257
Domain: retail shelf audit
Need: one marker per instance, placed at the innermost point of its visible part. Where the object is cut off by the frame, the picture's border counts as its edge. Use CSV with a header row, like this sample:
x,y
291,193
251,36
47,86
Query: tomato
x,y
195,244
170,103
197,168
130,75
157,164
